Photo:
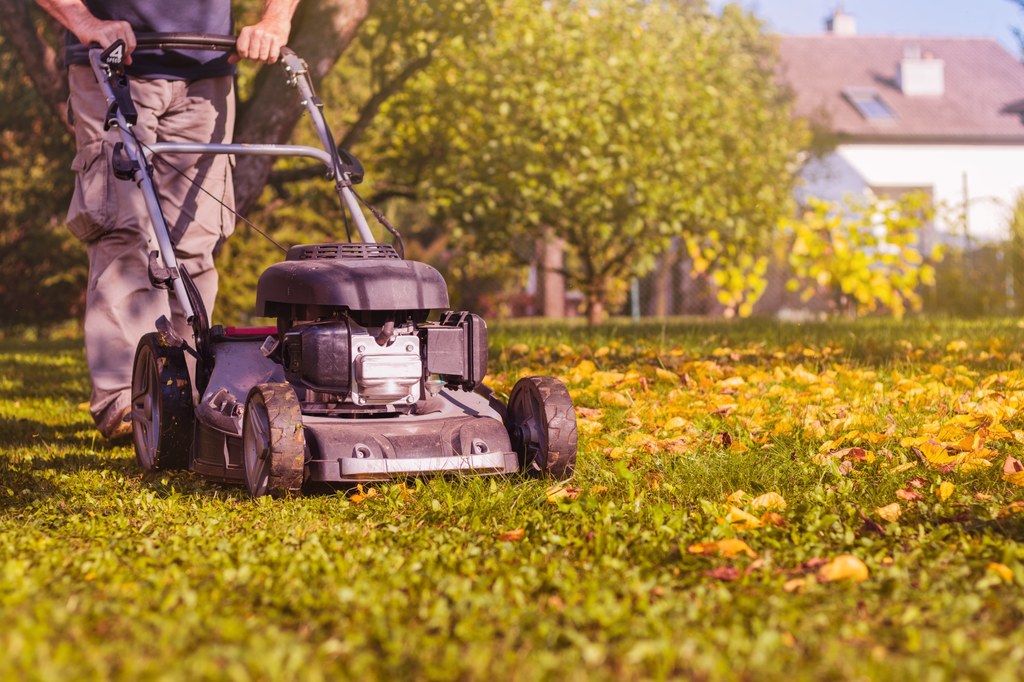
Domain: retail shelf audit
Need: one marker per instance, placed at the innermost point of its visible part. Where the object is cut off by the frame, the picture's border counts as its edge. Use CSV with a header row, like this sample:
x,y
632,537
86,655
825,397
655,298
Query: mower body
x,y
383,392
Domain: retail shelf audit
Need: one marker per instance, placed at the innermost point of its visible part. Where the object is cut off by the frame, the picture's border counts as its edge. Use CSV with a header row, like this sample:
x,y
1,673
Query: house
x,y
940,115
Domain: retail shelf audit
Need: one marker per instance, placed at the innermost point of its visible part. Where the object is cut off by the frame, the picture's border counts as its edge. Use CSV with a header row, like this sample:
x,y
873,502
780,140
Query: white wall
x,y
994,177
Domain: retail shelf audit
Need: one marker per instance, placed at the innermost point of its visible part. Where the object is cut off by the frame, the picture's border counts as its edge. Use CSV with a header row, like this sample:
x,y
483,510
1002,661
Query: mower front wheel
x,y
162,413
541,423
273,444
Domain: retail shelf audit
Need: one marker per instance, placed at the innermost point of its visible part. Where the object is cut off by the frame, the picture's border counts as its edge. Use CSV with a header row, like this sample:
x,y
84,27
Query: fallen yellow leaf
x,y
794,584
736,497
773,519
741,520
890,512
729,547
1001,570
935,453
1016,478
615,399
844,567
665,375
561,491
360,495
945,490
770,500
674,424
514,535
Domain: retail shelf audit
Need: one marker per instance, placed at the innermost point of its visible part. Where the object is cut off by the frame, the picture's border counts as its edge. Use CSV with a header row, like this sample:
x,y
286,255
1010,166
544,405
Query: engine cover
x,y
358,277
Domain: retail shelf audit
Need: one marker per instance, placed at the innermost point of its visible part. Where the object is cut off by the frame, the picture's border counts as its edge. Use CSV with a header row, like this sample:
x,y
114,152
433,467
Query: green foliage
x,y
42,269
614,125
109,574
863,253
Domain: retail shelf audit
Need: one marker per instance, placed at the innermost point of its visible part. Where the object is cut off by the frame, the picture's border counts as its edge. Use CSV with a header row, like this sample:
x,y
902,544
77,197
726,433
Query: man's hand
x,y
262,42
105,33
76,17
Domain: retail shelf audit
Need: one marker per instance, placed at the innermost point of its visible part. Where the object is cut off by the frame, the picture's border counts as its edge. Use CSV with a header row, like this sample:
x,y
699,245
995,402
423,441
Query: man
x,y
181,96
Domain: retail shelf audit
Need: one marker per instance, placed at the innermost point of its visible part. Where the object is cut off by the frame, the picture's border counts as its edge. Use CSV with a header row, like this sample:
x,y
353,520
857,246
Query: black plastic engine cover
x,y
360,284
457,349
318,356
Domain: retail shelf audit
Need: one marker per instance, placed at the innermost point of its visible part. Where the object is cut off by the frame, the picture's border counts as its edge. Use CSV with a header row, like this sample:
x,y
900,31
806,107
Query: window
x,y
869,104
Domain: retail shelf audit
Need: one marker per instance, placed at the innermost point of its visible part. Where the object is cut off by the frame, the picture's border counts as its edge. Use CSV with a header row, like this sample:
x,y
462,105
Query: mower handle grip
x,y
145,42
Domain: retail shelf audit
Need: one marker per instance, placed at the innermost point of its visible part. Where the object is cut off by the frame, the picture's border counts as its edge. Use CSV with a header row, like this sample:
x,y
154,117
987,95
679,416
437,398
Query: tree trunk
x,y
321,31
39,58
550,280
664,282
595,311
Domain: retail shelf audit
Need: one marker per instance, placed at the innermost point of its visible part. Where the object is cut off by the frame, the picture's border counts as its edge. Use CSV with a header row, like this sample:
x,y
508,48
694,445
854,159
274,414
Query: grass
x,y
106,573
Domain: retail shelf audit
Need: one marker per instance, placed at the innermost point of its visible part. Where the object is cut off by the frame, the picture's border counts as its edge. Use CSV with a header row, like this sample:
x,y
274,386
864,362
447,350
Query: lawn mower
x,y
366,374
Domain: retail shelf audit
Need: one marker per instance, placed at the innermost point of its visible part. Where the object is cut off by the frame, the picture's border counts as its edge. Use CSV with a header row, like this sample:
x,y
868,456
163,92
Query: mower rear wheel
x,y
273,444
162,414
541,423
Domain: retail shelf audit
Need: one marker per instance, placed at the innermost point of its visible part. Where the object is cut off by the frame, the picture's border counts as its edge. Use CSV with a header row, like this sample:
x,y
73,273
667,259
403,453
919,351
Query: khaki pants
x,y
110,217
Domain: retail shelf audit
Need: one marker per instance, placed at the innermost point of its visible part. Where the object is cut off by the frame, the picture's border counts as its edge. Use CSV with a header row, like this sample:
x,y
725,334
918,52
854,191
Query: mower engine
x,y
342,362
353,330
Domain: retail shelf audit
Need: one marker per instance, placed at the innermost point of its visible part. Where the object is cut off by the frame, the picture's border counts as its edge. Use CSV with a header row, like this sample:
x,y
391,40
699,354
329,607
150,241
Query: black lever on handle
x,y
113,59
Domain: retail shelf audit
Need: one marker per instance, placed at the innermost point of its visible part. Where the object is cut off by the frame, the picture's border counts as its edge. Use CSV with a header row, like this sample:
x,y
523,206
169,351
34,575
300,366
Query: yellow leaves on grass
x,y
890,512
945,490
1013,471
616,399
561,491
728,548
514,535
739,519
844,567
936,411
770,501
1002,571
361,495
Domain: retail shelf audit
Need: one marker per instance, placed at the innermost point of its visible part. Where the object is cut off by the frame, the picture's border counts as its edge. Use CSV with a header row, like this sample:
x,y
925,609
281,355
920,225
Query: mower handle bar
x,y
298,76
148,42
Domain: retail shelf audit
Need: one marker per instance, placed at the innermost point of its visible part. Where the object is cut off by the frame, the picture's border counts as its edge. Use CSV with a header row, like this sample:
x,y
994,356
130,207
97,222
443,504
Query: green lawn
x,y
106,573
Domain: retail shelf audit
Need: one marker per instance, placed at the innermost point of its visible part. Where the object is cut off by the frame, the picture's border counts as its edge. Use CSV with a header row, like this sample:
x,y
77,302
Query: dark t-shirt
x,y
169,16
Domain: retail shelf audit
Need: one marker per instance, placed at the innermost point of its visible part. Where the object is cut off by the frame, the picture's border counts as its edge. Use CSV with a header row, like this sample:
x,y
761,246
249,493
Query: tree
x,y
42,268
863,254
1017,33
612,125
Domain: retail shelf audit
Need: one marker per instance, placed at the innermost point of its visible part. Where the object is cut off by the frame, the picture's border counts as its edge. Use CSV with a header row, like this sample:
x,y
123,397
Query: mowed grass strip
x,y
753,501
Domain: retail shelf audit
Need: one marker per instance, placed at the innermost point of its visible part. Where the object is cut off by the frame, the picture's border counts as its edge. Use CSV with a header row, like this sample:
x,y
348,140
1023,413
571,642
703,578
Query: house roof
x,y
983,99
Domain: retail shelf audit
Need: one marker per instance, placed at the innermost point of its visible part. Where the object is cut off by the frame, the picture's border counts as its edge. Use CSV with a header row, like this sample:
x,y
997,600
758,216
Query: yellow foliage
x,y
945,490
728,548
771,501
890,512
844,567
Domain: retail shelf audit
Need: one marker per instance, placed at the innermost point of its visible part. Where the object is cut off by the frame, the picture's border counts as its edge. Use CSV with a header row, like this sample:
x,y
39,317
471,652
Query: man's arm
x,y
76,17
262,42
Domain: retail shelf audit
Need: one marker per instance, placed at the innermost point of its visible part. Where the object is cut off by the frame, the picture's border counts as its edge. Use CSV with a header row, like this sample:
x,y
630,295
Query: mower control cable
x,y
202,189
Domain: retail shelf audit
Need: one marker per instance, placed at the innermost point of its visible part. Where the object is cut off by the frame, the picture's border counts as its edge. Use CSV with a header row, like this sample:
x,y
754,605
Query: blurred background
x,y
603,158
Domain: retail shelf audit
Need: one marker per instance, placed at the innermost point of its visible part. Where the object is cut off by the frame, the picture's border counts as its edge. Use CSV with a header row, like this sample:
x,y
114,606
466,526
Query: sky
x,y
987,18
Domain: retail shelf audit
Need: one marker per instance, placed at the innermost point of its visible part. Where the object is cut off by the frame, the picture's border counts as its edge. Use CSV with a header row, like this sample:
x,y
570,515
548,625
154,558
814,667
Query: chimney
x,y
841,24
920,74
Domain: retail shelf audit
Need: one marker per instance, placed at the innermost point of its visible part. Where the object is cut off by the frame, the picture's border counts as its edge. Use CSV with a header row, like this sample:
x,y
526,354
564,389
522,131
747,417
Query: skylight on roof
x,y
869,103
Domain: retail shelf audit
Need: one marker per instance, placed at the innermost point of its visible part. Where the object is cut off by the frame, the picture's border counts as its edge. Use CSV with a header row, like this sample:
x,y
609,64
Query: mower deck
x,y
450,433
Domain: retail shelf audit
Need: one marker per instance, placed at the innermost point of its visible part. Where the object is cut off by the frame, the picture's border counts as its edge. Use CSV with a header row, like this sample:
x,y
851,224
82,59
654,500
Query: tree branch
x,y
323,29
367,113
39,58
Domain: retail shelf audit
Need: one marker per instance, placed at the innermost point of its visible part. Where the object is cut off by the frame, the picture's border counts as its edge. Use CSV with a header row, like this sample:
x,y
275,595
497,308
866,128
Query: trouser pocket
x,y
93,209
